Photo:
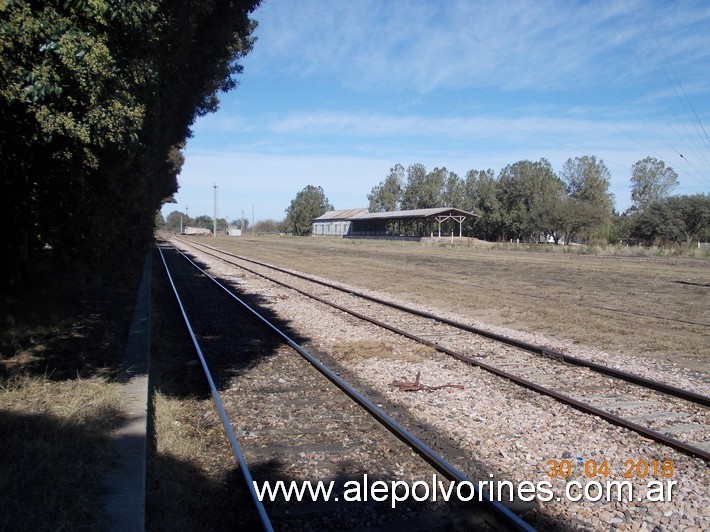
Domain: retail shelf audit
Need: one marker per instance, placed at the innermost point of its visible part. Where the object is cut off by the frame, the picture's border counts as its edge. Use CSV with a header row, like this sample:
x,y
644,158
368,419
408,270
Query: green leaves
x,y
673,220
651,180
101,95
387,196
309,204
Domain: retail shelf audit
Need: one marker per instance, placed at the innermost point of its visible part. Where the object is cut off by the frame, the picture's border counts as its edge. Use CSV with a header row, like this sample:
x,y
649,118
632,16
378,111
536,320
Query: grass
x,y
55,450
615,250
353,351
175,475
192,477
620,299
61,344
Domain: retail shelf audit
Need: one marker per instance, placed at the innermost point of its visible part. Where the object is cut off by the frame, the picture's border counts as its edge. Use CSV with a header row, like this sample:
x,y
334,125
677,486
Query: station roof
x,y
363,214
346,214
415,213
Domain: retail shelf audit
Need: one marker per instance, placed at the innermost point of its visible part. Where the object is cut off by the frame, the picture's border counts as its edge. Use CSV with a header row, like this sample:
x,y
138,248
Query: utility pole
x,y
214,221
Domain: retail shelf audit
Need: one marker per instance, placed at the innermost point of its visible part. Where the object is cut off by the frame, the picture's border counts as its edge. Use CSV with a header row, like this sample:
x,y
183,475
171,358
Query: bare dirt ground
x,y
656,307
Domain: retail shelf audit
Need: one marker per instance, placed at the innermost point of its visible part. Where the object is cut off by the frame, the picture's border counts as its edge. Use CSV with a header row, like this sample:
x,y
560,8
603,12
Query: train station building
x,y
415,224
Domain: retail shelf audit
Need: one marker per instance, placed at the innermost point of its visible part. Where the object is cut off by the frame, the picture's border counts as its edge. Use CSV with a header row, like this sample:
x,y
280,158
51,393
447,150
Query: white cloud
x,y
461,84
425,45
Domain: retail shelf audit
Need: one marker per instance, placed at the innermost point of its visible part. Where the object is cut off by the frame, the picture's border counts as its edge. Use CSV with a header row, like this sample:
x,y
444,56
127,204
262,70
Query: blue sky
x,y
337,92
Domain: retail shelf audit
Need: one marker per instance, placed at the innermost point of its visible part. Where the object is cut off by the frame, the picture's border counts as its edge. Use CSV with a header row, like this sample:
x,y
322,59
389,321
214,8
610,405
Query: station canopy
x,y
415,222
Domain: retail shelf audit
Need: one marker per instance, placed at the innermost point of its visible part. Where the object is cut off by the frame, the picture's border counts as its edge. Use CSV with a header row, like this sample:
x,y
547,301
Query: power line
x,y
699,178
679,90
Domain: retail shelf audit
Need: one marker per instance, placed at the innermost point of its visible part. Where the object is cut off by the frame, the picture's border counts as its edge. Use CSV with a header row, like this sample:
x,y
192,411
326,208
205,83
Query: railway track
x,y
290,417
670,415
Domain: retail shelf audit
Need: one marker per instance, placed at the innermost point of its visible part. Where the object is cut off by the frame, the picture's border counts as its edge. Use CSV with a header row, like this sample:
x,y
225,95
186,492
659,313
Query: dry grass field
x,y
654,306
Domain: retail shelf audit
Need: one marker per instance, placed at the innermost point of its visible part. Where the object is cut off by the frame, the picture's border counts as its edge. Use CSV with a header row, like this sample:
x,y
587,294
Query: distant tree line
x,y
528,200
96,102
177,221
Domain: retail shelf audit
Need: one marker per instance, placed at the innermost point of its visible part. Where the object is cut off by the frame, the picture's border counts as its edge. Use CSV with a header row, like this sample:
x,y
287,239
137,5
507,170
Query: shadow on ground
x,y
235,341
50,470
60,335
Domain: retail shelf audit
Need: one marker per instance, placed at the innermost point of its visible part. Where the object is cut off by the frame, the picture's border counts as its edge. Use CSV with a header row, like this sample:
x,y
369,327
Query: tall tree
x,y
204,221
694,213
481,197
453,192
241,223
588,180
575,220
651,180
309,204
529,193
387,196
424,190
591,203
414,196
673,220
96,102
657,224
177,221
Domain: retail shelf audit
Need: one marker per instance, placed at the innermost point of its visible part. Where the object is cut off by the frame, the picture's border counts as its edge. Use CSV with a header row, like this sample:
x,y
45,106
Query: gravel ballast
x,y
494,428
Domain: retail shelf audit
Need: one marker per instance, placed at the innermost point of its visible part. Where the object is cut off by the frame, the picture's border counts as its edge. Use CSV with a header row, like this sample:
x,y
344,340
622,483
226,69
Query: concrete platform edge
x,y
125,483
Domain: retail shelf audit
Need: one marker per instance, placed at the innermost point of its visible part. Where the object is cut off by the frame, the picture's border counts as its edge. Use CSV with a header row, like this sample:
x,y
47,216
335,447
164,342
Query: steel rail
x,y
261,511
578,405
424,451
651,384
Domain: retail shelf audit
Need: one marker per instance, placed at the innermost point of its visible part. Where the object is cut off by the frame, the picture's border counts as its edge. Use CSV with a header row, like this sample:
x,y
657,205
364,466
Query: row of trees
x,y
177,221
528,199
96,102
308,205
525,201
